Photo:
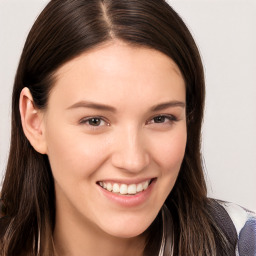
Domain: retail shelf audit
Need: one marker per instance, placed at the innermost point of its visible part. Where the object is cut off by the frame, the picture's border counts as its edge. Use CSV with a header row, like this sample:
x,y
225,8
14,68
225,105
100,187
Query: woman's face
x,y
115,130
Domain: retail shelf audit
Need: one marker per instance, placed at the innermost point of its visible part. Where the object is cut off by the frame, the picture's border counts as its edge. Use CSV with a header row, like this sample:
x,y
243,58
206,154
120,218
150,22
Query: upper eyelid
x,y
104,118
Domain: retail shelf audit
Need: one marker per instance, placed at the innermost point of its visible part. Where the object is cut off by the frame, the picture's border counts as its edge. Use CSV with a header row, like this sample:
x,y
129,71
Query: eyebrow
x,y
168,104
93,105
99,106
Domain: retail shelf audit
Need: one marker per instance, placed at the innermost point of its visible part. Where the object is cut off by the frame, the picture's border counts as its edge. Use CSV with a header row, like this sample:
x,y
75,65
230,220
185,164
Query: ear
x,y
32,121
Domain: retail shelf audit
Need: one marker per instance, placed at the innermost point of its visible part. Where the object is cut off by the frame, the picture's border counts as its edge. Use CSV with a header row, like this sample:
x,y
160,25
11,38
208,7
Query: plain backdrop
x,y
225,32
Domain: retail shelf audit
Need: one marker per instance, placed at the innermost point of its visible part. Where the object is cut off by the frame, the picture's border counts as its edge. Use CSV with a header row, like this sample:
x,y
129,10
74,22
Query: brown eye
x,y
162,119
159,119
94,121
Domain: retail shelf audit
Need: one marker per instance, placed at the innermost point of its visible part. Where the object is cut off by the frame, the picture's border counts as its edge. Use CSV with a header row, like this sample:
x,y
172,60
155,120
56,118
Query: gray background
x,y
225,32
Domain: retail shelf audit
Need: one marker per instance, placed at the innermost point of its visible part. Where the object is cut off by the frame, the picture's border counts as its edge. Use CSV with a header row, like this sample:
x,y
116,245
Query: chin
x,y
126,234
127,230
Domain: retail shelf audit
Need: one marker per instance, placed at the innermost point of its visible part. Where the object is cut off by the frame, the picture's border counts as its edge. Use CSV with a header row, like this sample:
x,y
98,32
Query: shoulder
x,y
240,216
244,223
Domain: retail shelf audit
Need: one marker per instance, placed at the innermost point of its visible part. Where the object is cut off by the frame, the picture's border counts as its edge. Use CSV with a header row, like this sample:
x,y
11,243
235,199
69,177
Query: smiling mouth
x,y
125,189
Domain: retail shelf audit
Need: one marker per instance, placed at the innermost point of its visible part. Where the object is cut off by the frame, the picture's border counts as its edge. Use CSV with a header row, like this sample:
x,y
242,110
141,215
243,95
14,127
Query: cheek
x,y
170,158
74,155
170,150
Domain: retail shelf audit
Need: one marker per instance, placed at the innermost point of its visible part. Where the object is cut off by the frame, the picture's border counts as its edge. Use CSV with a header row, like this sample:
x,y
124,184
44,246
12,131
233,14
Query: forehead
x,y
118,70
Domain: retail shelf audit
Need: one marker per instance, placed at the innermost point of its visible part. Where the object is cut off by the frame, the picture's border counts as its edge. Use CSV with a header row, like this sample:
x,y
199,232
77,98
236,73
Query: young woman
x,y
105,150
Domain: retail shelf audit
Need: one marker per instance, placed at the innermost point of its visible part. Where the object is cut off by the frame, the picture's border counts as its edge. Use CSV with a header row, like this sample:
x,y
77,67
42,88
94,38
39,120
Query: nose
x,y
130,152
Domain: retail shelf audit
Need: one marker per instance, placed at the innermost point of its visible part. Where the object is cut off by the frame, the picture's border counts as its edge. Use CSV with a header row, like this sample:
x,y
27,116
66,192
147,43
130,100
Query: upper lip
x,y
126,181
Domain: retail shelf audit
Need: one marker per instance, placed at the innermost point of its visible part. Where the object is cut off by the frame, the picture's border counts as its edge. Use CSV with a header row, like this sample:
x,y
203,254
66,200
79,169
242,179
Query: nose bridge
x,y
130,152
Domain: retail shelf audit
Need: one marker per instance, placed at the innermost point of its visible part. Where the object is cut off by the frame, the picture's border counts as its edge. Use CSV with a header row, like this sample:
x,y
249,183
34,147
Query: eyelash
x,y
171,119
86,120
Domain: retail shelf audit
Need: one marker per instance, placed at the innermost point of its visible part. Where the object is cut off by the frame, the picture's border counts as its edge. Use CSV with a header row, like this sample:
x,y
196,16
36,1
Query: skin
x,y
126,144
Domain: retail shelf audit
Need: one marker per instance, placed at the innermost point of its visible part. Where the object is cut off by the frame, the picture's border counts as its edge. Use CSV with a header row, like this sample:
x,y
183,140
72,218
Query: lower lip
x,y
129,200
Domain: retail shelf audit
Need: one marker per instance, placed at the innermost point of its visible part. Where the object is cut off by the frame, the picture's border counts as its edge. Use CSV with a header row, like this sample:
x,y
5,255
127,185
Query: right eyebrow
x,y
92,105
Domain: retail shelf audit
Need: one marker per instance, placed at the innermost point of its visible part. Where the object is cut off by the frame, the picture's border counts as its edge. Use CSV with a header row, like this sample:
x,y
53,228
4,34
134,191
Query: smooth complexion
x,y
116,114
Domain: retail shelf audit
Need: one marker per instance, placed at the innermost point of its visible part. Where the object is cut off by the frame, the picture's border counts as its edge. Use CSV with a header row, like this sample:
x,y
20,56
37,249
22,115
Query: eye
x,y
162,119
159,119
94,121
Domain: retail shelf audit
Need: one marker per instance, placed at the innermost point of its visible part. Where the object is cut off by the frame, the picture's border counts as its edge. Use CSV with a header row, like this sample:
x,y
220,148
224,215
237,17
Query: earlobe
x,y
32,121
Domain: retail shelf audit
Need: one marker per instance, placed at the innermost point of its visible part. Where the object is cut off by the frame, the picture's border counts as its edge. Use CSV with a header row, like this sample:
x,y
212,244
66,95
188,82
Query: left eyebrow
x,y
168,104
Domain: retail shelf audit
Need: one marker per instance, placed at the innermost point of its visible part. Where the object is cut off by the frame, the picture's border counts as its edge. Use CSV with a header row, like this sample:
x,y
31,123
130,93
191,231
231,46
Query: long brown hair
x,y
65,29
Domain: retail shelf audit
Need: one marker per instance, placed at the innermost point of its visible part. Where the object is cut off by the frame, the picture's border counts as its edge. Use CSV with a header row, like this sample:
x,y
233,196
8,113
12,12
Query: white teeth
x,y
116,188
109,187
139,187
132,189
123,189
145,185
